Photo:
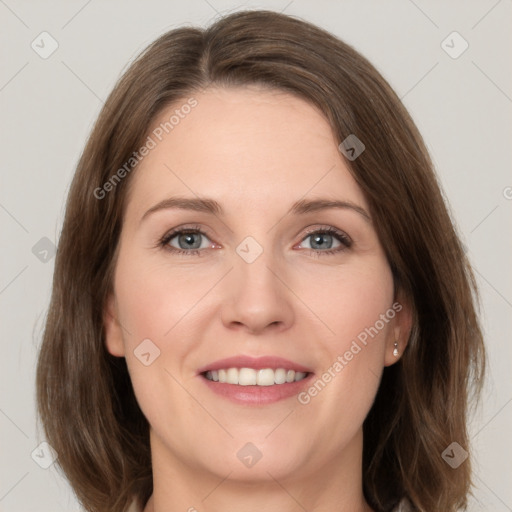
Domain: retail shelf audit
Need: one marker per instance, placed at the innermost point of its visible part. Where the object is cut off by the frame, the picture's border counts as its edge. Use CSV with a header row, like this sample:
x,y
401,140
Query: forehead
x,y
244,145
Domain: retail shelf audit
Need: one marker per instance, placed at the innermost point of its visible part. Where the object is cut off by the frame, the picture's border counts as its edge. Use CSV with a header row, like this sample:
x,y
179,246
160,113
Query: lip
x,y
256,395
257,363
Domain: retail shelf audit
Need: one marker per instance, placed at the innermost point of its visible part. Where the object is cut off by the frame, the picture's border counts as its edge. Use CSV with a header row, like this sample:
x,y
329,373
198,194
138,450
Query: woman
x,y
260,300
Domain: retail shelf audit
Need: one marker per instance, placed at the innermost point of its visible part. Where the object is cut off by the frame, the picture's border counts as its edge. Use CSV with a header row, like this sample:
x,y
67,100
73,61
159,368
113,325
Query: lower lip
x,y
257,395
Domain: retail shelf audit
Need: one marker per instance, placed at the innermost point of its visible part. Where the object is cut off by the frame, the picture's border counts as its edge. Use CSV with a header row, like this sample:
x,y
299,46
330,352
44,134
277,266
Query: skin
x,y
256,152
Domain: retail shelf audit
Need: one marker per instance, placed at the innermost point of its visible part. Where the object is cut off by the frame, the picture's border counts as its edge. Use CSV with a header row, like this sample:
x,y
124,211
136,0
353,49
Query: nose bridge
x,y
253,266
257,295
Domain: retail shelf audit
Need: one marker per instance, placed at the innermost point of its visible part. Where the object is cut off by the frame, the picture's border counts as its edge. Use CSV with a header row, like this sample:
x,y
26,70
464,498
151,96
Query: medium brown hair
x,y
85,398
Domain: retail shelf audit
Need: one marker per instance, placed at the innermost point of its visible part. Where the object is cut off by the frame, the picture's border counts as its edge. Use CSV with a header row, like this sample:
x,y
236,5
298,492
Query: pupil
x,y
318,239
189,241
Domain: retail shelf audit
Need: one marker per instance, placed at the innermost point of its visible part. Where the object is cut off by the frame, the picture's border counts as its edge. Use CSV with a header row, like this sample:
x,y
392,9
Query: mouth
x,y
255,381
252,377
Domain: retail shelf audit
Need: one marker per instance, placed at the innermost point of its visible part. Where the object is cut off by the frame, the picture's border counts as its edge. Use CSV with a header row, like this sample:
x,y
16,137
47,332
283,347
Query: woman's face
x,y
268,277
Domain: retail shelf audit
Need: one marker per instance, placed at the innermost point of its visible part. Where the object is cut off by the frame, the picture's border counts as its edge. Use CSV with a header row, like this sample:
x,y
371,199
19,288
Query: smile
x,y
252,377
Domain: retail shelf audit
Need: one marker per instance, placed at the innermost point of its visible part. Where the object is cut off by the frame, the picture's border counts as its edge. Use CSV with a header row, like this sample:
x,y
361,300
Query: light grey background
x,y
462,106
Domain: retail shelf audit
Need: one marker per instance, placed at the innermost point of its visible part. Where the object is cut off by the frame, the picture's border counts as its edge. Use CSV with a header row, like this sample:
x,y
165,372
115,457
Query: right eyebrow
x,y
185,203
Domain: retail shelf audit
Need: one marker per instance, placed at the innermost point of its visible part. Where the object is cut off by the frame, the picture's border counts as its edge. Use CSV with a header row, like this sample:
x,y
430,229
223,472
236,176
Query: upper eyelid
x,y
330,229
187,227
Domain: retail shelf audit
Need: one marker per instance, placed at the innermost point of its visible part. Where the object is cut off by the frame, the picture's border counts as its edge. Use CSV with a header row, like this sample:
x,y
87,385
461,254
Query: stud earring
x,y
395,350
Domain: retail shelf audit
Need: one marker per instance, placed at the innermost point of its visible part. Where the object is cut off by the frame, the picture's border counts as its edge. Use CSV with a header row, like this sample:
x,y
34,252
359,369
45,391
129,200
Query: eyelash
x,y
339,235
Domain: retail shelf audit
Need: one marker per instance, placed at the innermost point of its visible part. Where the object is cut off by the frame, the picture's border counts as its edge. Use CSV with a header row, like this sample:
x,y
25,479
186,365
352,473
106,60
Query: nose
x,y
257,297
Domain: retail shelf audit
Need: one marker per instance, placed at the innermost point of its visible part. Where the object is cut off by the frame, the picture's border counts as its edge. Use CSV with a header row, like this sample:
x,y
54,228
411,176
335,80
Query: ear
x,y
113,332
399,333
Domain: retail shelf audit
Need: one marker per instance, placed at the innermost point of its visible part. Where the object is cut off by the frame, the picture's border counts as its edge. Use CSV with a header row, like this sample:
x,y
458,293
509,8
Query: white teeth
x,y
299,375
280,376
265,377
247,377
251,377
232,375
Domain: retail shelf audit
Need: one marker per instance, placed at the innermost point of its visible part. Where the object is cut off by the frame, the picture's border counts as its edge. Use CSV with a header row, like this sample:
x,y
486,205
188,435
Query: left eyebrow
x,y
207,205
313,205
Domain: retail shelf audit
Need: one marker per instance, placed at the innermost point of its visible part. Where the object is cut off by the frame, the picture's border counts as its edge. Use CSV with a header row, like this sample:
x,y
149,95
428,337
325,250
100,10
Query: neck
x,y
335,486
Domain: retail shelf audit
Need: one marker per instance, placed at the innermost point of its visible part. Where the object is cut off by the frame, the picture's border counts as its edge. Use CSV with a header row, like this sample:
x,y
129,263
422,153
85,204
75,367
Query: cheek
x,y
350,300
151,303
163,304
154,298
357,308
